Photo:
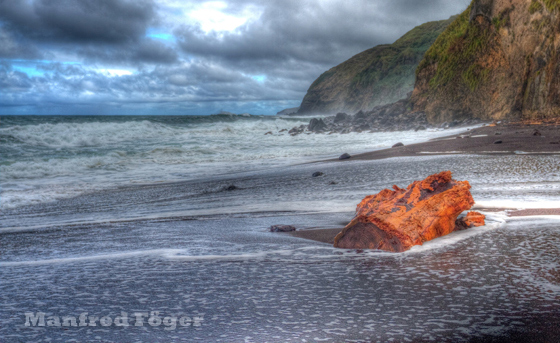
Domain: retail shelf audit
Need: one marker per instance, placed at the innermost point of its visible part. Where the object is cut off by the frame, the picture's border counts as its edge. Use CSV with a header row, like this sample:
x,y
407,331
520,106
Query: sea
x,y
163,221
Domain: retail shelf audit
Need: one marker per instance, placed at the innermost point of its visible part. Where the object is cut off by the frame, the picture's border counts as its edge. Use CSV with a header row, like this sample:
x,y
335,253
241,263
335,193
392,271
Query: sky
x,y
173,57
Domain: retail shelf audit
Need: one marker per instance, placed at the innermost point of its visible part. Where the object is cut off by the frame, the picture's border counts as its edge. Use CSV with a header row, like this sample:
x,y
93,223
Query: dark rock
x,y
497,134
231,188
554,142
344,156
333,183
420,128
316,125
282,228
537,133
340,117
317,174
399,144
268,133
360,115
283,130
498,142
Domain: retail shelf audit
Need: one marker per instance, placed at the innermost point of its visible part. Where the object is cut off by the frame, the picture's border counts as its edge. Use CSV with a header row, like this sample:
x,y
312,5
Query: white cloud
x,y
217,16
114,72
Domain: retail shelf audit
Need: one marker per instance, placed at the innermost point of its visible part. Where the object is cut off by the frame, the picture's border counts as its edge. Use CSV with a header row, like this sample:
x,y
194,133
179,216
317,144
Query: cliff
x,y
498,60
378,76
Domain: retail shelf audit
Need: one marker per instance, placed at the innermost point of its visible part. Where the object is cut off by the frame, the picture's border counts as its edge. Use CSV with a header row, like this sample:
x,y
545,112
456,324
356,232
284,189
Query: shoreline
x,y
327,235
516,138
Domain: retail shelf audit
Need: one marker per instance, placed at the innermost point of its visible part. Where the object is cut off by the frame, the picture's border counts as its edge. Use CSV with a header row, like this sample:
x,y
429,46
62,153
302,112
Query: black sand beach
x,y
515,138
195,248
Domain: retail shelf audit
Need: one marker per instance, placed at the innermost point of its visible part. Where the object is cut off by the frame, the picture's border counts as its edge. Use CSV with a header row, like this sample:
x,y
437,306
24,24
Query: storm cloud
x,y
172,57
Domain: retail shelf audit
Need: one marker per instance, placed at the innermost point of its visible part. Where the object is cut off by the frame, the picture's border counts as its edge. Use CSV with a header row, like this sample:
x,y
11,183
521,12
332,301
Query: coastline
x,y
516,138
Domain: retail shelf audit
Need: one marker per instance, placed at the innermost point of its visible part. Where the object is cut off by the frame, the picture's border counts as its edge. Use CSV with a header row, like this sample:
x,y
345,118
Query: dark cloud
x,y
109,21
144,51
12,48
96,31
264,65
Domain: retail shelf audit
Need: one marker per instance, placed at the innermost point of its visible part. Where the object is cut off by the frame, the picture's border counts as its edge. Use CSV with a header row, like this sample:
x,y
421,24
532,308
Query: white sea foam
x,y
516,204
49,161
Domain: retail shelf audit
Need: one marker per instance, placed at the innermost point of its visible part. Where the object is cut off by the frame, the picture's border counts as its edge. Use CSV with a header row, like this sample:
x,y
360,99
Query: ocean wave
x,y
102,153
84,134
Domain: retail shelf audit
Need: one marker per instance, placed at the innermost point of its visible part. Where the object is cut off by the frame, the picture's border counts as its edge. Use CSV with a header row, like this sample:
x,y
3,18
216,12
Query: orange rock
x,y
396,220
471,220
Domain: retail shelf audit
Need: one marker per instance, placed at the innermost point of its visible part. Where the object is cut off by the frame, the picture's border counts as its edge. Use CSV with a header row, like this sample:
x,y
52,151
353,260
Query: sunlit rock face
x,y
396,220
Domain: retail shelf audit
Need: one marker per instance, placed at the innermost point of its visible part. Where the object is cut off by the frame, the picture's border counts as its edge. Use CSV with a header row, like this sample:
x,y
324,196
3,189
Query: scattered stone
x,y
554,142
333,183
497,134
420,128
537,133
498,142
399,144
282,228
231,188
283,130
317,174
345,156
268,133
396,220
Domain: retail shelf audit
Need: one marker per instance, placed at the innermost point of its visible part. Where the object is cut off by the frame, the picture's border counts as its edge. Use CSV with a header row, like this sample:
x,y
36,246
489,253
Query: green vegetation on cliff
x,y
455,51
498,60
378,76
552,5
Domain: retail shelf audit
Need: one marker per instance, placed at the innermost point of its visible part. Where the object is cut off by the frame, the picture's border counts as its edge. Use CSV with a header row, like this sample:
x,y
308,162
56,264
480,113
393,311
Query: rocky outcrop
x,y
396,220
378,76
392,117
498,60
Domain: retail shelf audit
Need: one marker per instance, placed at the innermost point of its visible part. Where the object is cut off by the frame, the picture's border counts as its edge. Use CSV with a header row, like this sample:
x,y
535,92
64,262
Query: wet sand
x,y
318,235
535,212
516,138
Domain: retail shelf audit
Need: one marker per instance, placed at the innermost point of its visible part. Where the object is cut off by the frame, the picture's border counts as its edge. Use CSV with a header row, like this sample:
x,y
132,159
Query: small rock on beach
x,y
282,228
345,156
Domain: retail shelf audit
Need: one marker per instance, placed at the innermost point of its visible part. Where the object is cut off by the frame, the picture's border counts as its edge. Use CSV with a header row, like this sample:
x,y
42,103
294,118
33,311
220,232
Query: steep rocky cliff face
x,y
499,59
378,76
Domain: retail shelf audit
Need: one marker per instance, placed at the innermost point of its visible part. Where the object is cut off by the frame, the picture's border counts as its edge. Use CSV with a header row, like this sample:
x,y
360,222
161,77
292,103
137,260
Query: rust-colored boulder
x,y
396,220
